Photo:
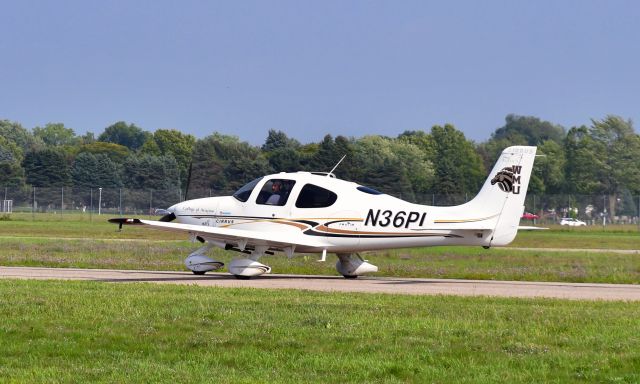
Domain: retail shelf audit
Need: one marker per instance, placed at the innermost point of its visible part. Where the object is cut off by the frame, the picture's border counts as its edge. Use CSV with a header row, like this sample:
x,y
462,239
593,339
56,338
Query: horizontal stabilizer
x,y
530,228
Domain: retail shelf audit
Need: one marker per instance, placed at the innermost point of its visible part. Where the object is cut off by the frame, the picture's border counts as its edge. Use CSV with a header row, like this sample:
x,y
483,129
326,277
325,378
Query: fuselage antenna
x,y
336,166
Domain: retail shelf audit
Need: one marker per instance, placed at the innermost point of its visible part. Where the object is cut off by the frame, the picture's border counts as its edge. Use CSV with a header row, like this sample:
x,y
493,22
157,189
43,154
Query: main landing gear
x,y
352,265
246,268
349,265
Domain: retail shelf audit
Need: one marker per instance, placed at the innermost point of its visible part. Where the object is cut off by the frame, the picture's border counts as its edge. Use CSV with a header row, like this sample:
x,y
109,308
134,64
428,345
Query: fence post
x,y
61,201
120,201
91,204
604,211
33,206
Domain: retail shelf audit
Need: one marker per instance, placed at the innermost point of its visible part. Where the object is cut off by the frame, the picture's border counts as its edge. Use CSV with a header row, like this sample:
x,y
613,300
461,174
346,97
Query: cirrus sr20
x,y
306,212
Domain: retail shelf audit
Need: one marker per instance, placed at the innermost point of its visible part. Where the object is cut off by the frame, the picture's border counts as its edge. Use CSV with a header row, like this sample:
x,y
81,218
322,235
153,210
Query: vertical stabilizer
x,y
505,190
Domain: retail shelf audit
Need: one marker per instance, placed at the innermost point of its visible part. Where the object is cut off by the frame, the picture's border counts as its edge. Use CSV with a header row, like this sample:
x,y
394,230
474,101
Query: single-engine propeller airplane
x,y
311,212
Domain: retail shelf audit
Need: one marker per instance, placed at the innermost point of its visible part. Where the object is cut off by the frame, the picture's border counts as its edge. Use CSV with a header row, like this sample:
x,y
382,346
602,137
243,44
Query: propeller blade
x,y
168,217
186,188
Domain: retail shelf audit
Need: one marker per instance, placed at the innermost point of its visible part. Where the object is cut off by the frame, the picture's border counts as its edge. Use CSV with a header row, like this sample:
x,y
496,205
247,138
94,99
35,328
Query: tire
x,y
240,277
350,276
200,273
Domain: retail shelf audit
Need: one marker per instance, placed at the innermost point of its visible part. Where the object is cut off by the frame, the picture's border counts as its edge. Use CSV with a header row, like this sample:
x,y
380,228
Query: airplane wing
x,y
229,235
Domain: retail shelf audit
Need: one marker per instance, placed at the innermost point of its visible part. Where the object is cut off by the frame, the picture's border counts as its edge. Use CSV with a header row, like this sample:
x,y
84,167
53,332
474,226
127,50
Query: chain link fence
x,y
549,209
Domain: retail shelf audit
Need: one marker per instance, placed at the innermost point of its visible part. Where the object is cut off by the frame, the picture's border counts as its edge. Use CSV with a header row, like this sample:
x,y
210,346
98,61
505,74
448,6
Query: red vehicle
x,y
530,216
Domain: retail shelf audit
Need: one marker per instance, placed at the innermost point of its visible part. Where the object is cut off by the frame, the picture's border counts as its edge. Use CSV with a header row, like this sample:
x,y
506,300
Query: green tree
x,y
56,135
528,130
150,147
178,145
150,172
581,163
548,169
282,152
95,170
46,168
116,152
15,133
128,135
617,155
223,163
88,138
394,166
11,172
328,154
286,159
458,168
277,140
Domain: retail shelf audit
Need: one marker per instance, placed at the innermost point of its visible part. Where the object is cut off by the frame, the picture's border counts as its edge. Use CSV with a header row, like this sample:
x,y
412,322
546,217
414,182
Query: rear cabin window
x,y
313,196
275,192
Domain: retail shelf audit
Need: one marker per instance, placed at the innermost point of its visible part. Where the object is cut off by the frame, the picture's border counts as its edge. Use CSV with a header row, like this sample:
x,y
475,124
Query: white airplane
x,y
317,213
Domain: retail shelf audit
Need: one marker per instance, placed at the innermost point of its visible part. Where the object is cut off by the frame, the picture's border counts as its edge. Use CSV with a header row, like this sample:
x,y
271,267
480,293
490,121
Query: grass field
x,y
97,227
436,262
99,332
76,242
52,331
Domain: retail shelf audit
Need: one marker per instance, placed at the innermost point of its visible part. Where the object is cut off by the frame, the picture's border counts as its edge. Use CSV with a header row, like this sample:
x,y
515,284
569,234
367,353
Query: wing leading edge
x,y
229,235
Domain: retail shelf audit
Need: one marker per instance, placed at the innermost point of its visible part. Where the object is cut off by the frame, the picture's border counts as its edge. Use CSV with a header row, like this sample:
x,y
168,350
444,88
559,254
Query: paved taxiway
x,y
575,291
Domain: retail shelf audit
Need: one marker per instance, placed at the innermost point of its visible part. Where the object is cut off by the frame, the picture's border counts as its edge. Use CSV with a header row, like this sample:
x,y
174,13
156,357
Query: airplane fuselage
x,y
356,221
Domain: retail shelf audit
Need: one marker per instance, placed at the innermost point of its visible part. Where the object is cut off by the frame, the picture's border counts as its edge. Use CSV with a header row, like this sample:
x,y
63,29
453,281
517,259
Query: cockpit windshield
x,y
243,193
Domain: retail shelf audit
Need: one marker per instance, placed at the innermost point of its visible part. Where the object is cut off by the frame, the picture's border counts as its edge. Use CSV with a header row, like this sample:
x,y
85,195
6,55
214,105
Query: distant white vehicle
x,y
572,222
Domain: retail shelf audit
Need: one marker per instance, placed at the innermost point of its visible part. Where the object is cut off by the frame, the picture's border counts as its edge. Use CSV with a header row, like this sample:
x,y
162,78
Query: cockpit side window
x,y
313,196
275,192
243,193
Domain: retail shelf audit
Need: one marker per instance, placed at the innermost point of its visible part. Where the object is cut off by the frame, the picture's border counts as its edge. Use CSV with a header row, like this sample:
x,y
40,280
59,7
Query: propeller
x,y
168,217
186,188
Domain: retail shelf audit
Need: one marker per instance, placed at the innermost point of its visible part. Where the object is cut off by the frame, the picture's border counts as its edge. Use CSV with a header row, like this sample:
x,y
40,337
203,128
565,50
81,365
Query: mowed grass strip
x,y
97,227
435,262
613,237
78,226
104,332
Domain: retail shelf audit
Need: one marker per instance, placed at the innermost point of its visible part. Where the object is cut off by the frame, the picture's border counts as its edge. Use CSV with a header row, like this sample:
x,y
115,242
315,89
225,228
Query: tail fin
x,y
504,191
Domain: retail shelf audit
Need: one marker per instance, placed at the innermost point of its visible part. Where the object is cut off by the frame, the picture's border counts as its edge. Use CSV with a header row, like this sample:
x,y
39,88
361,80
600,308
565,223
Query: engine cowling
x,y
248,268
200,263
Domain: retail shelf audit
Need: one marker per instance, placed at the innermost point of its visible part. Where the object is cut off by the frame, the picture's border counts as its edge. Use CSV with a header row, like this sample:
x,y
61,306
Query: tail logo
x,y
508,179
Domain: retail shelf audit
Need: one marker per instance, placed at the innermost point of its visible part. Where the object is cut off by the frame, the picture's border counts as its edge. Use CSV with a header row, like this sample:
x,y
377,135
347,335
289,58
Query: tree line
x,y
602,158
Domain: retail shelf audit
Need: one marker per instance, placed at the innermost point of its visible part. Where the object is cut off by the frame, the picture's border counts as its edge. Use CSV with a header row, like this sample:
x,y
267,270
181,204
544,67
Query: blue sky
x,y
310,68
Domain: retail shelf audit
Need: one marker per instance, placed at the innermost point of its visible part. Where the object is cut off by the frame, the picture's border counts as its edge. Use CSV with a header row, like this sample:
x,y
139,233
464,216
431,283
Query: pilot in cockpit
x,y
276,193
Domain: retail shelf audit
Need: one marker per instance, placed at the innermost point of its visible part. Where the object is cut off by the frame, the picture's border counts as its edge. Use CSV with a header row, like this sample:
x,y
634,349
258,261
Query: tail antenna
x,y
336,166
